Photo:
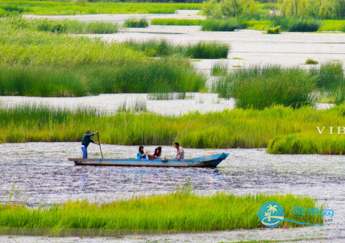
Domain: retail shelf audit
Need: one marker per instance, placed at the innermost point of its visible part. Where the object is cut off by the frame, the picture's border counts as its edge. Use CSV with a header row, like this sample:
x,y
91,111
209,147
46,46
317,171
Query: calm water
x,y
42,174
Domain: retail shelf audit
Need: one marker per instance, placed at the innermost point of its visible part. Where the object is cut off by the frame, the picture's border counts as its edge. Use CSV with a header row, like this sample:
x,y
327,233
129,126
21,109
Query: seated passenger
x,y
157,153
141,154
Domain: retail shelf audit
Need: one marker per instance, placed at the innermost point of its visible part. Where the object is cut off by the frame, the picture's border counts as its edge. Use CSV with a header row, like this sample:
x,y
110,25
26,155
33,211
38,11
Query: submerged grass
x,y
179,211
227,129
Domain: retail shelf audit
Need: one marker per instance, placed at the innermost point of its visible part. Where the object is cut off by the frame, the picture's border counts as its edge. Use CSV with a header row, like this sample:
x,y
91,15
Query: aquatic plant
x,y
219,69
69,8
176,21
274,30
165,75
221,25
293,24
179,211
133,23
158,48
261,87
208,50
311,61
248,128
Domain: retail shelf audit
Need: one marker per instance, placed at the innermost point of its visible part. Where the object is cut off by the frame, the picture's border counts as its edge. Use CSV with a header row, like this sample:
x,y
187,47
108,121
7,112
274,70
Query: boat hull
x,y
206,161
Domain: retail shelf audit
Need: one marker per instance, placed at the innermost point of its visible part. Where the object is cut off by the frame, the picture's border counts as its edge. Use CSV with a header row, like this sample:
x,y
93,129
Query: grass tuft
x,y
221,25
133,23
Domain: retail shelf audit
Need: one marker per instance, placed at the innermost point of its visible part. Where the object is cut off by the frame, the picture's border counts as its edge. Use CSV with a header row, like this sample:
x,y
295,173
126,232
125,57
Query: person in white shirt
x,y
180,151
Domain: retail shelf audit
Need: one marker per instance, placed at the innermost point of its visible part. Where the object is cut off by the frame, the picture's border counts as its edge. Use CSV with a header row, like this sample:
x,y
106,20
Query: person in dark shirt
x,y
86,141
157,153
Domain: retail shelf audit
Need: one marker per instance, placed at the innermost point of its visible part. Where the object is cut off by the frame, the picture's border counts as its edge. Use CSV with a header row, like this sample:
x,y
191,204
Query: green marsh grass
x,y
133,23
176,21
161,48
250,128
164,75
331,76
180,211
68,8
259,88
332,25
294,24
62,26
221,25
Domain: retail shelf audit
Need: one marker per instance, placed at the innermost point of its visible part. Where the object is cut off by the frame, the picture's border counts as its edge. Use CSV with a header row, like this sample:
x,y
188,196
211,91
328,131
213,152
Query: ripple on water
x,y
42,174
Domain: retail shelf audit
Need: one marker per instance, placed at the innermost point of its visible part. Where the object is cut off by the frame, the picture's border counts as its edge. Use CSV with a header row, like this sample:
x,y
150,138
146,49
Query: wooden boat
x,y
206,161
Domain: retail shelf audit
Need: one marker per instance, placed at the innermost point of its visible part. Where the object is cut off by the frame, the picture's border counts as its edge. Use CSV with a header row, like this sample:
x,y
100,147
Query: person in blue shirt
x,y
141,154
86,141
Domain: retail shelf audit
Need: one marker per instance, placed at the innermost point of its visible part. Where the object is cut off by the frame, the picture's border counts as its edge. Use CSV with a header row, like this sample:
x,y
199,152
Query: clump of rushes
x,y
294,24
179,211
133,23
164,75
159,48
176,22
221,25
264,87
331,76
208,50
311,61
219,69
274,30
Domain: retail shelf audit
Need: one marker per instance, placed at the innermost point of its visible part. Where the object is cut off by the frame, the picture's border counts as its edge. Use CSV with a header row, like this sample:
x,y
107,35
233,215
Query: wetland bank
x,y
82,66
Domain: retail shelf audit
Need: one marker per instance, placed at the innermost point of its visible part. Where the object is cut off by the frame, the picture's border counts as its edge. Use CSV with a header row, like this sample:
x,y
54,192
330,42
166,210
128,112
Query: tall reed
x,y
248,128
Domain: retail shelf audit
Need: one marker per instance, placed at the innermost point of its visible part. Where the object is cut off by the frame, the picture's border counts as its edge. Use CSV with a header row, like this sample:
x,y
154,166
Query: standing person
x,y
180,151
141,154
86,141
